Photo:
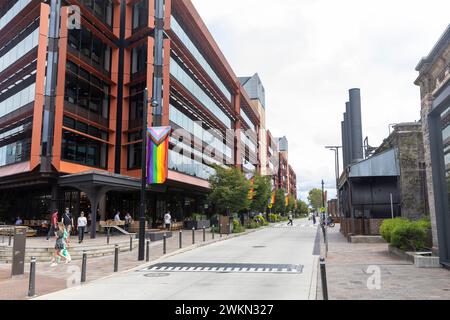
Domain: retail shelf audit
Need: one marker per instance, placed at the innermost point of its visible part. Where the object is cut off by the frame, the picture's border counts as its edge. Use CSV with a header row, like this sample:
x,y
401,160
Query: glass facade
x,y
86,91
186,80
84,149
91,48
182,35
15,144
102,9
247,120
140,15
195,128
184,164
246,140
138,60
18,100
9,56
134,151
12,12
136,105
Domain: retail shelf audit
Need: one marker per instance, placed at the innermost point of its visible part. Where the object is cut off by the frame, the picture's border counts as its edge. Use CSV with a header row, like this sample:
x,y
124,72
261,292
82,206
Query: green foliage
x,y
273,217
261,220
315,198
291,203
237,227
405,234
261,192
387,226
409,236
280,201
302,207
253,225
229,189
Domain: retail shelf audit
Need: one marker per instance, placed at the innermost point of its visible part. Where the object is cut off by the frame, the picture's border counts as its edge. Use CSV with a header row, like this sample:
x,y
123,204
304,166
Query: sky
x,y
309,53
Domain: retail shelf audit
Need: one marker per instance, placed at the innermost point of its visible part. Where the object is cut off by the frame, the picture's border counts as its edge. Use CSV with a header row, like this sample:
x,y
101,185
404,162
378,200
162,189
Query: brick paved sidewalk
x,y
51,279
347,264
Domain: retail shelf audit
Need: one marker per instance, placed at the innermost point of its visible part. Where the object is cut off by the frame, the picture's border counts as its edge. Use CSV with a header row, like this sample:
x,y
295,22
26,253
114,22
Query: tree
x,y
229,190
261,193
315,198
280,201
291,203
302,207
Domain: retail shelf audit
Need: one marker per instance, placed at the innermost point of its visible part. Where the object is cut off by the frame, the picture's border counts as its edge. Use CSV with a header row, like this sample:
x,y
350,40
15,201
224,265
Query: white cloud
x,y
308,53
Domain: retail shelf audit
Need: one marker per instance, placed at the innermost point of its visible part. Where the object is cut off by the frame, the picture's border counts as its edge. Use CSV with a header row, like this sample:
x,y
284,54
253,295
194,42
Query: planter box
x,y
408,256
421,261
197,224
366,239
157,235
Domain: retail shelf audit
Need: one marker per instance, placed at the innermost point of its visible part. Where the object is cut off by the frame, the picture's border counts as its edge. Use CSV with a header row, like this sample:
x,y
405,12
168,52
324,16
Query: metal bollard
x,y
323,275
204,234
147,253
193,235
9,240
164,243
116,258
107,235
212,230
181,239
83,267
131,243
32,283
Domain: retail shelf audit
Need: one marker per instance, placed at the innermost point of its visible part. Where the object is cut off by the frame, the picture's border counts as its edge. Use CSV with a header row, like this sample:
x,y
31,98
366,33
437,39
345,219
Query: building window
x,y
83,150
140,15
15,152
92,49
136,105
102,9
86,90
138,60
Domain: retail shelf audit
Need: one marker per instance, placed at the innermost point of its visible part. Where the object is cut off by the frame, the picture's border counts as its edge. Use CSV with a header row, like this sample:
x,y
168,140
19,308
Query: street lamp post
x,y
156,103
337,168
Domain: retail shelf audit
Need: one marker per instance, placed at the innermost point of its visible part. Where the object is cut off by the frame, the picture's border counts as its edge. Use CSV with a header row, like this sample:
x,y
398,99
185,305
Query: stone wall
x,y
426,107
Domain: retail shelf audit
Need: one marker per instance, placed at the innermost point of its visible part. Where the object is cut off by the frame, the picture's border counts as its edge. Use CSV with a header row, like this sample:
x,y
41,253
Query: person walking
x,y
167,220
314,218
59,246
66,241
128,221
291,221
67,221
53,229
81,224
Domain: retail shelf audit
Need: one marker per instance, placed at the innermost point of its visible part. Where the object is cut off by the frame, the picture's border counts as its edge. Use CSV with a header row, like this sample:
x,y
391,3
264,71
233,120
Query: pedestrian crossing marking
x,y
226,267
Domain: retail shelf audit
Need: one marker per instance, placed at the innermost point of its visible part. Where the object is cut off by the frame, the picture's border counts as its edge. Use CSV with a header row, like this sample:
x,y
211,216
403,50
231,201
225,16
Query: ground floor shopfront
x,y
34,202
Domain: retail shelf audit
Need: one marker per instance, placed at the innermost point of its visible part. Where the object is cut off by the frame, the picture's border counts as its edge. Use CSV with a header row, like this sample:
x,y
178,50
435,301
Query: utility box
x,y
18,251
225,225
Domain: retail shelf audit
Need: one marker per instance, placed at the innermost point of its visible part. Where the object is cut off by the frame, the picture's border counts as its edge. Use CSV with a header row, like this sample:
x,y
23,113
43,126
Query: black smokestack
x,y
356,125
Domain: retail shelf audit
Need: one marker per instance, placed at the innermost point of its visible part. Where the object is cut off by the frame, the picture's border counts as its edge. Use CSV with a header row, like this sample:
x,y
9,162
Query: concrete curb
x,y
314,280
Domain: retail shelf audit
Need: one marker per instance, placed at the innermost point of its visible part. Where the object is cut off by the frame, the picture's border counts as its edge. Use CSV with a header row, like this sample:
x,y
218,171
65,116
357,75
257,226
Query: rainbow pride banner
x,y
157,154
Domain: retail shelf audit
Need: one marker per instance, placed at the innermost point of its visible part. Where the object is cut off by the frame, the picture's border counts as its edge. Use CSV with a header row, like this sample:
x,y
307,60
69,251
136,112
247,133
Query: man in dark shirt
x,y
67,221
